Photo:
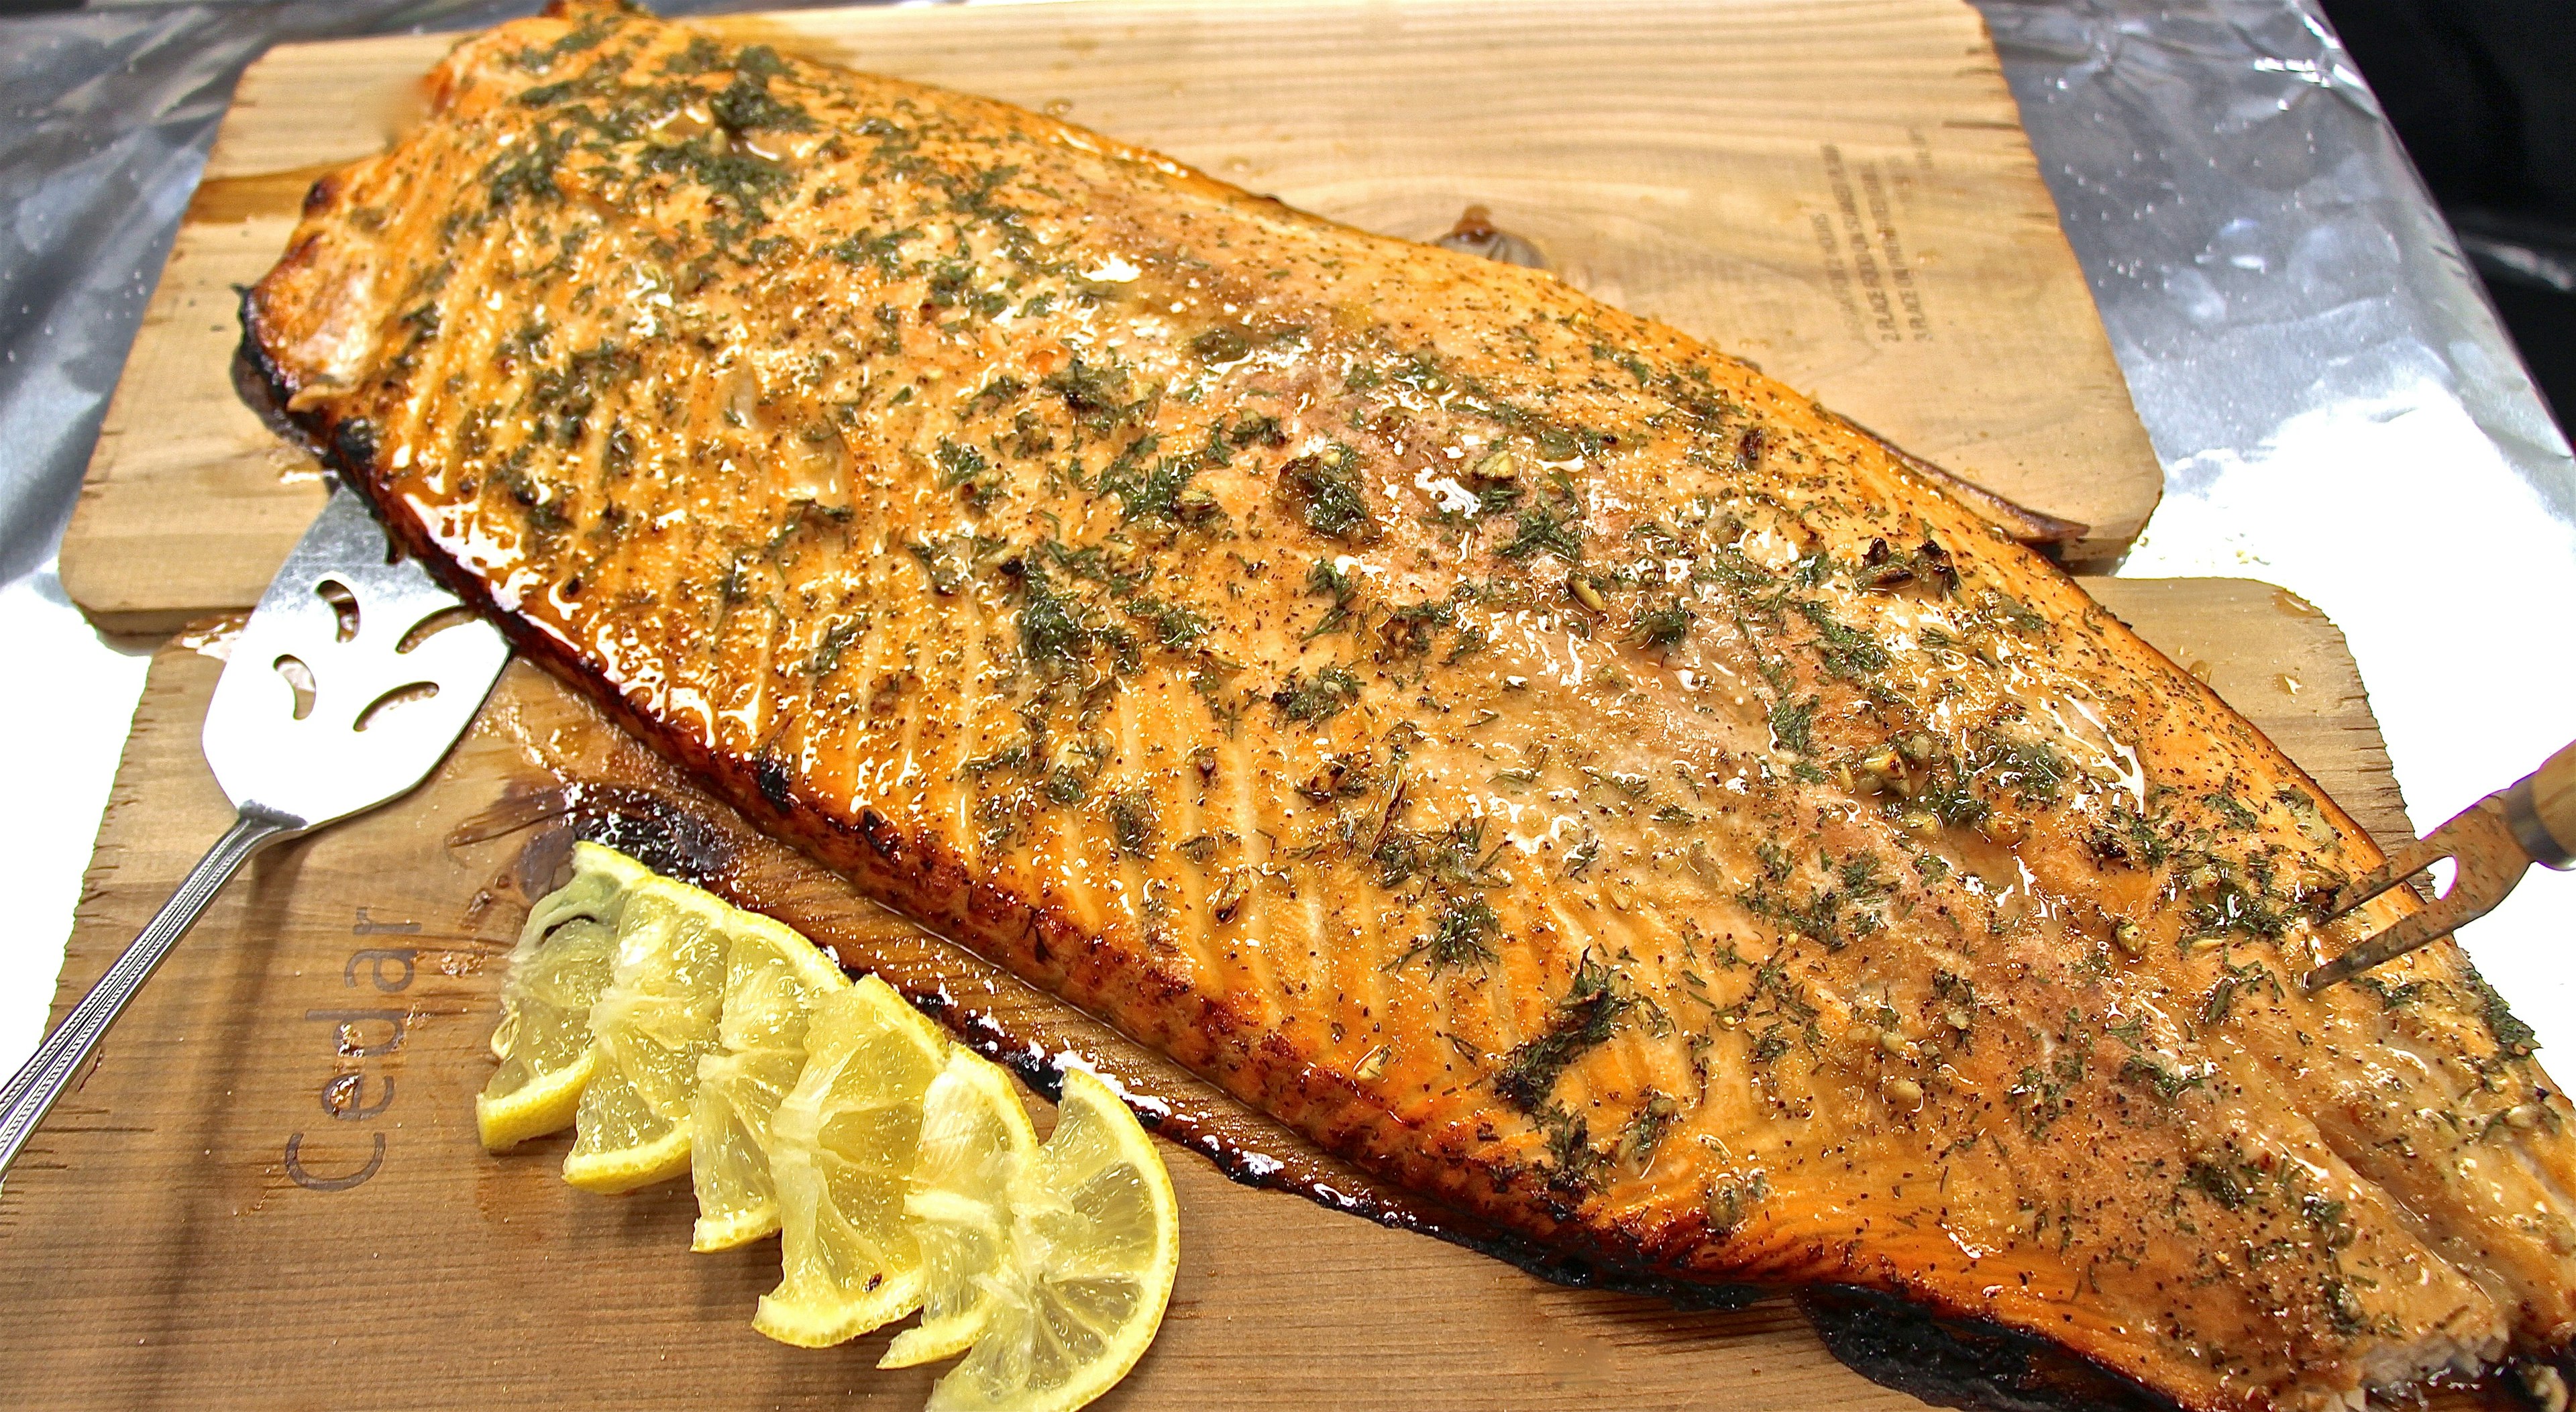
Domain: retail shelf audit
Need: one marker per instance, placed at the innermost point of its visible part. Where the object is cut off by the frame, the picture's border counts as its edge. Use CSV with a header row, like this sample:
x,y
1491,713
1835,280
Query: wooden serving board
x,y
267,1193
1837,189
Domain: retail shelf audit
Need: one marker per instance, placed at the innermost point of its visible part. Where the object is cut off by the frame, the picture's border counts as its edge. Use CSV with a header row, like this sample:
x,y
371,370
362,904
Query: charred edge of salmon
x,y
1943,1361
2029,528
1417,1215
910,875
1946,1362
672,838
1952,1363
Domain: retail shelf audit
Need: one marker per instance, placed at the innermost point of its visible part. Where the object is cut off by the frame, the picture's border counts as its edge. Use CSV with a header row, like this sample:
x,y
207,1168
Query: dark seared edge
x,y
1955,1363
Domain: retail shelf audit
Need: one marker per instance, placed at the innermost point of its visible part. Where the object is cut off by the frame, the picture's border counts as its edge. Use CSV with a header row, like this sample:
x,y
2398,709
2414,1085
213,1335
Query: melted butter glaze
x,y
1544,762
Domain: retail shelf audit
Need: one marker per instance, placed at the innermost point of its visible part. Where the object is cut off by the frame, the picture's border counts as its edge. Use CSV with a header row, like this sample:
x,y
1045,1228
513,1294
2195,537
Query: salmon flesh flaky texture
x,y
1539,757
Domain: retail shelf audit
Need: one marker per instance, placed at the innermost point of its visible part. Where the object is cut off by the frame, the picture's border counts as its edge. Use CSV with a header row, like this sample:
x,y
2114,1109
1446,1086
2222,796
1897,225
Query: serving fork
x,y
2490,845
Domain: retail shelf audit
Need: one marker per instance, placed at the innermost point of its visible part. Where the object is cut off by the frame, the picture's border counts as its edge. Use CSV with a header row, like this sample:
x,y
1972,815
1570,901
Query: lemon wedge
x,y
773,977
675,1032
649,1028
556,973
843,1144
1094,1244
976,1142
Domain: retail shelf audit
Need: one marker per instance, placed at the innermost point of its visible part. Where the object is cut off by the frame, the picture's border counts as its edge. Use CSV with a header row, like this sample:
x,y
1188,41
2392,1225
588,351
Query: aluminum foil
x,y
2335,407
2333,403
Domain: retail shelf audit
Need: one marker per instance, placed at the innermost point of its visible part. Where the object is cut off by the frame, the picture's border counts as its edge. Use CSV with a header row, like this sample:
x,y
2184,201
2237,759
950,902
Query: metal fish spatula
x,y
350,682
2491,844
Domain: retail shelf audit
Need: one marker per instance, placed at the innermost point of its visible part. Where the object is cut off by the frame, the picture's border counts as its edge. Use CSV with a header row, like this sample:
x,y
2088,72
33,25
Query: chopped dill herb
x,y
1663,625
884,249
2027,768
1409,631
2512,1036
1452,855
1544,530
2159,1078
1574,1167
2327,1217
1009,757
836,640
2222,996
1834,915
1220,345
1148,491
1792,724
1250,430
1097,396
1947,796
1646,1128
2232,809
1317,698
1773,1043
2344,1309
1324,490
965,466
1462,935
1174,626
2392,997
2230,1184
746,105
1132,817
1847,652
528,173
1585,1018
1052,635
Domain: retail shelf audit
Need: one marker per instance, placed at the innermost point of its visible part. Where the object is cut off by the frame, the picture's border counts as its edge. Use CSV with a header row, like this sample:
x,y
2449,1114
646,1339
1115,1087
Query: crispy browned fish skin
x,y
1534,754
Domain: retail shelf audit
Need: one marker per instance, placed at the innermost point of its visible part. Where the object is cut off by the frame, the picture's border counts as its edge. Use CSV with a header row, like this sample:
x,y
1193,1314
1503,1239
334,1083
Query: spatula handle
x,y
2542,810
30,1093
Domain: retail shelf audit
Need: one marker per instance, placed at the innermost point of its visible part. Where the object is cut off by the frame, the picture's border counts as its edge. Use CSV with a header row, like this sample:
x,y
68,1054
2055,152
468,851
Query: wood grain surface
x,y
267,1193
1839,190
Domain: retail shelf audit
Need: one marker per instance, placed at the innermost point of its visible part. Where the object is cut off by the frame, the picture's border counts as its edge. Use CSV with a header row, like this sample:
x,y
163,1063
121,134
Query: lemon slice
x,y
841,1160
772,978
650,1027
1095,1242
556,972
975,1143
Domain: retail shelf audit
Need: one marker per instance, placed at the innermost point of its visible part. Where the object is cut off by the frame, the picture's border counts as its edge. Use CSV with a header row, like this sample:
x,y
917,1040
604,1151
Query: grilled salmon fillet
x,y
1534,754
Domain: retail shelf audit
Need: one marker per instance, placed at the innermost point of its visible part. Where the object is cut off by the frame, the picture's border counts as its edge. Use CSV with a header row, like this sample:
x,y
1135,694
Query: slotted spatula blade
x,y
352,680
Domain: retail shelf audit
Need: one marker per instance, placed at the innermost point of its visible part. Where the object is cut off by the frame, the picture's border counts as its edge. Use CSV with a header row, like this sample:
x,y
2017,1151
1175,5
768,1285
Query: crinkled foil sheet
x,y
2335,406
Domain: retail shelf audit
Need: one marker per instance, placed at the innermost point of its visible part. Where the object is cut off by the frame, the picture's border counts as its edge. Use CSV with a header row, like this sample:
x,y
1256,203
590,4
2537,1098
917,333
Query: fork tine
x,y
2489,860
2403,864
